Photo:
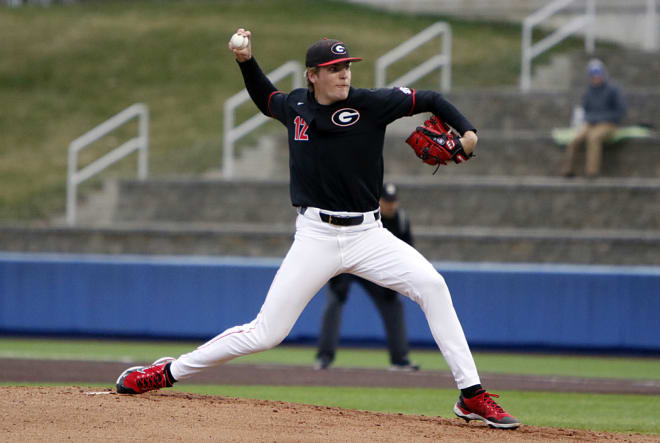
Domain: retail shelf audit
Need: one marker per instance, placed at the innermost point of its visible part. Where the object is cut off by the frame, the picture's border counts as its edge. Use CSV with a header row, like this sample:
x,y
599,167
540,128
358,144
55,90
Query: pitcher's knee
x,y
428,285
434,282
268,340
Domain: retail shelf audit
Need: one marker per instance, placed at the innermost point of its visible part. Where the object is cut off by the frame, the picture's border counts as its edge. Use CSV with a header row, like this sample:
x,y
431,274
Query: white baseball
x,y
238,41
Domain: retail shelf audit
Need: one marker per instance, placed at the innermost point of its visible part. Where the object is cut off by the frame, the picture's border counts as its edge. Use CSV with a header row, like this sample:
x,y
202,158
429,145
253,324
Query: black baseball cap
x,y
389,192
328,52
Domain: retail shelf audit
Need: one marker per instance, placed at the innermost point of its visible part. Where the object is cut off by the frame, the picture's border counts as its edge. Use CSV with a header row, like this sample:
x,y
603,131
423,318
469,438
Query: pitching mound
x,y
90,414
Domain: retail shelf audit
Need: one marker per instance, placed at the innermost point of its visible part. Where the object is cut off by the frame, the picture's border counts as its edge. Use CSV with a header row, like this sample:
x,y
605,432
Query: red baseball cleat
x,y
483,407
139,379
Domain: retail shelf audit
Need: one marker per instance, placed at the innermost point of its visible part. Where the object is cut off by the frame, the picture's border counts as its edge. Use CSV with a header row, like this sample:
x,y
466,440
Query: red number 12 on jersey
x,y
301,129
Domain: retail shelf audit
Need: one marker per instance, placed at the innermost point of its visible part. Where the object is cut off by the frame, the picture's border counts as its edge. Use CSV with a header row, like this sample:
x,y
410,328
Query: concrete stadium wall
x,y
528,306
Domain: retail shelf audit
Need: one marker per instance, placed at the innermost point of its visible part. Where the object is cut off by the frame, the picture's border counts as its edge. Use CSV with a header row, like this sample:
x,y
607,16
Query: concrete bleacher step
x,y
535,202
515,138
528,154
471,219
516,202
523,153
630,69
542,110
540,246
259,240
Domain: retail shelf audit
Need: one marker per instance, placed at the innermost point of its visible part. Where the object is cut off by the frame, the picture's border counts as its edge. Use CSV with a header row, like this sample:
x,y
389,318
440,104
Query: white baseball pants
x,y
319,252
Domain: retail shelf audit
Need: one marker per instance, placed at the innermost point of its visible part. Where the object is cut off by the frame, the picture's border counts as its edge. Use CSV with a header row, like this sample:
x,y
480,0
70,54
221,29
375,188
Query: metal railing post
x,y
590,32
71,187
526,61
530,50
442,60
651,40
446,67
227,140
139,143
143,153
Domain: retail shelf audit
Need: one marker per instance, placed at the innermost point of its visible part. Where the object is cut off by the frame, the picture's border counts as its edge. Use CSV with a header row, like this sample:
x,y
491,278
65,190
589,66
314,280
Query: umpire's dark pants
x,y
389,305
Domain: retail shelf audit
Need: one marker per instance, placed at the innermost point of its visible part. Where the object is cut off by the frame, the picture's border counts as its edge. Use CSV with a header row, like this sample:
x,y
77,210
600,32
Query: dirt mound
x,y
90,414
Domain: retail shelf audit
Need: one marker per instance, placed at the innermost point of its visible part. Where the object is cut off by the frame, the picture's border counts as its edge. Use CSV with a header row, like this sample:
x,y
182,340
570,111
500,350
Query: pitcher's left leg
x,y
384,259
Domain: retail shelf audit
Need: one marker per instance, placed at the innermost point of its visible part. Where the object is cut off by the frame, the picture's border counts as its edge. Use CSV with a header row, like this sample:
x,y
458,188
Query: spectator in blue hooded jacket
x,y
604,108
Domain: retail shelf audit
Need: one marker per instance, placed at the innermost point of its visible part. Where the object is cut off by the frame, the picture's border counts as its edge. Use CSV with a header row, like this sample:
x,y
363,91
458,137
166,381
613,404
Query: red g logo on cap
x,y
338,48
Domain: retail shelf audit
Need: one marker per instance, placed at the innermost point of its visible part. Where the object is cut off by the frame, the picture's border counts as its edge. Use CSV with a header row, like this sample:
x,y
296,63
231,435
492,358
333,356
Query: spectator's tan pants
x,y
594,136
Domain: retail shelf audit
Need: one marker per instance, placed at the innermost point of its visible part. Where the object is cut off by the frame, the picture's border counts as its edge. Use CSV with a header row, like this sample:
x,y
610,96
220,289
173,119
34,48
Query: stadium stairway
x,y
507,205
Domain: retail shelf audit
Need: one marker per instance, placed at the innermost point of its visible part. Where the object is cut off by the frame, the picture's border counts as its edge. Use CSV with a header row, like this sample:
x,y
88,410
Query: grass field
x,y
67,68
613,413
596,412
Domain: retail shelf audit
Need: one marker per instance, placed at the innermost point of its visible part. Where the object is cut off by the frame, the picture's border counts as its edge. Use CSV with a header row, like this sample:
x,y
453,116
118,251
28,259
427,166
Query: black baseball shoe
x,y
323,362
405,367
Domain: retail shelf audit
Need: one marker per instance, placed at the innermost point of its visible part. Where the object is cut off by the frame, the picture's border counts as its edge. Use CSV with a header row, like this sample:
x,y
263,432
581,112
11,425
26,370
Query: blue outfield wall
x,y
500,305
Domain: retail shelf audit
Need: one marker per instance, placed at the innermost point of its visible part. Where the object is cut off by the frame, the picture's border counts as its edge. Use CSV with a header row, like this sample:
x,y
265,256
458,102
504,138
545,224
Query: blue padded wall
x,y
500,305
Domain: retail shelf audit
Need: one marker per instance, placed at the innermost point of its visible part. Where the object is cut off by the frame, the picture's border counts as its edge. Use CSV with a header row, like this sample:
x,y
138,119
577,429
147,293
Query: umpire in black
x,y
387,301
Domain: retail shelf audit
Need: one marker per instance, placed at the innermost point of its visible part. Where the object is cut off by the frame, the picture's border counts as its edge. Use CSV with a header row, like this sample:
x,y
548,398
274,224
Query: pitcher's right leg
x,y
311,261
308,265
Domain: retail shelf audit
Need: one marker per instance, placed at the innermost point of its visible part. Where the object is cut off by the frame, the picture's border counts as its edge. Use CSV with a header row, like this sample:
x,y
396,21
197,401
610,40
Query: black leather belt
x,y
345,221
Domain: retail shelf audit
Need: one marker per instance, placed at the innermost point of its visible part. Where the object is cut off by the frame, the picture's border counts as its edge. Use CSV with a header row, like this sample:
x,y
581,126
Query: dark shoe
x,y
323,363
483,407
405,367
140,379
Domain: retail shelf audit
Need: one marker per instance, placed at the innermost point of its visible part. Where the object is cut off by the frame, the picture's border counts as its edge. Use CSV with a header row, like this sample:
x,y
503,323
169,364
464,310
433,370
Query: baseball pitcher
x,y
336,134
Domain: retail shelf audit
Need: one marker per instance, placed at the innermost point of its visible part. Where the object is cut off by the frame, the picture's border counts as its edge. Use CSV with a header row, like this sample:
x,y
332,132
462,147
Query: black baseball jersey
x,y
336,151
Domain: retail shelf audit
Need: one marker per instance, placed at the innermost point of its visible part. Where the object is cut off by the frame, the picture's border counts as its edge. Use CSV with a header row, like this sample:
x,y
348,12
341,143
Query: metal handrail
x,y
139,143
651,41
442,60
529,50
231,134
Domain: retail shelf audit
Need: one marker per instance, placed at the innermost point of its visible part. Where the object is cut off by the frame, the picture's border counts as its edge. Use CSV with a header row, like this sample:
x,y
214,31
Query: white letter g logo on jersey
x,y
345,117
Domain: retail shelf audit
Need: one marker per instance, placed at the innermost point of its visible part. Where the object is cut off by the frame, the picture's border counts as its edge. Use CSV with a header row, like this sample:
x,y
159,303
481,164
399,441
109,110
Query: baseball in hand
x,y
238,41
